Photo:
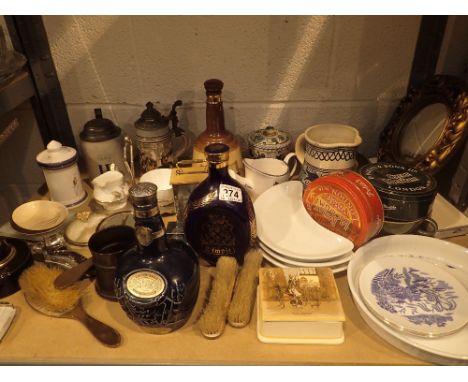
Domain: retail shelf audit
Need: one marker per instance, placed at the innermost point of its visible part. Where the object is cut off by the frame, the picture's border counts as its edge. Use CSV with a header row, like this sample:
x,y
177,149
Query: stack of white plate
x,y
413,292
289,237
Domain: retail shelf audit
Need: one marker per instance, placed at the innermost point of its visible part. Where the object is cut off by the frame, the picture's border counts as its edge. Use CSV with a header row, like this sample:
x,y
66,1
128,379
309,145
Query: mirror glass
x,y
422,131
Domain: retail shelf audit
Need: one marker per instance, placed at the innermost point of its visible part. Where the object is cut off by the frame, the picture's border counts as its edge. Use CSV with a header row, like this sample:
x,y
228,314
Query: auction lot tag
x,y
230,193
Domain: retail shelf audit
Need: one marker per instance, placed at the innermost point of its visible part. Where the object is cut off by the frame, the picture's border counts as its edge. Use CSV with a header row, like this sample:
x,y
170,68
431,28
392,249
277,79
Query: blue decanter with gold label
x,y
219,218
157,282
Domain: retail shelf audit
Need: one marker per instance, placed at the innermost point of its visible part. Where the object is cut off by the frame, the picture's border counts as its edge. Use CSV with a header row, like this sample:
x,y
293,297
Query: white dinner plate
x,y
411,294
284,225
450,349
342,260
277,263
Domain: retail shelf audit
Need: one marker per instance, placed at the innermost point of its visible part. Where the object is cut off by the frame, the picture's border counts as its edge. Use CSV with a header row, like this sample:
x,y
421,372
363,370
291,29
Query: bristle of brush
x,y
240,309
37,283
213,320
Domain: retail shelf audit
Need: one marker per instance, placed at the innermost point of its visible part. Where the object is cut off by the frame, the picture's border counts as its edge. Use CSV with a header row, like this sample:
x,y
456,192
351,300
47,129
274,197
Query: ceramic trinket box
x,y
269,143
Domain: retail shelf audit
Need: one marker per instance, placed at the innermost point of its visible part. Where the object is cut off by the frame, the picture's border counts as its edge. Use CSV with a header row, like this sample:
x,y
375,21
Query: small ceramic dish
x,y
79,231
38,216
161,177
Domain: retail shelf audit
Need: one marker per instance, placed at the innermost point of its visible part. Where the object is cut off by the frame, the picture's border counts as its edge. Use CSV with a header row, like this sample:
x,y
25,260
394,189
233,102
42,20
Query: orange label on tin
x,y
333,209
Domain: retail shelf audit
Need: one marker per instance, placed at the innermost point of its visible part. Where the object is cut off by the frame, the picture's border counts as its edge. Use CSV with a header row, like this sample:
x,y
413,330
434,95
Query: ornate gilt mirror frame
x,y
438,89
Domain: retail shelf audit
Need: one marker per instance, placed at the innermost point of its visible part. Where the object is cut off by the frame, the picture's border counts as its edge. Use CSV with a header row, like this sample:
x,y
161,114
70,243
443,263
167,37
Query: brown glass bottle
x,y
216,131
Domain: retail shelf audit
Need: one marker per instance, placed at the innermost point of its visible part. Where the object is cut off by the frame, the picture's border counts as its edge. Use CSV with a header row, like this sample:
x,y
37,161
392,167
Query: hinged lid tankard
x,y
102,146
154,138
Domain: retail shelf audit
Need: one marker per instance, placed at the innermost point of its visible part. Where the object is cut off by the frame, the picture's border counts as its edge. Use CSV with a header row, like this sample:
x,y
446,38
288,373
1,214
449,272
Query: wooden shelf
x,y
16,91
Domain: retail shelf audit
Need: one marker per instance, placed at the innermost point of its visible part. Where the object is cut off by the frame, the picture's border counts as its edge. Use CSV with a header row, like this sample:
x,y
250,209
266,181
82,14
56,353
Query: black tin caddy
x,y
407,194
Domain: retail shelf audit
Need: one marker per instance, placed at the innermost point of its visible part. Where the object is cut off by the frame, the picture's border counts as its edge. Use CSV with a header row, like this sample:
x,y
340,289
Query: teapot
x,y
263,173
154,138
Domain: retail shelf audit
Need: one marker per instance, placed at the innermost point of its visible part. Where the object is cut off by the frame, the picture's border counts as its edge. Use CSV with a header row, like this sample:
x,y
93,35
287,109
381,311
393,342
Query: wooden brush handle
x,y
72,275
102,332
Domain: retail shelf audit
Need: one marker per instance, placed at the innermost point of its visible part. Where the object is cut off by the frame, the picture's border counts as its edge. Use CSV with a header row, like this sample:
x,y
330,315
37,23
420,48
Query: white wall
x,y
288,71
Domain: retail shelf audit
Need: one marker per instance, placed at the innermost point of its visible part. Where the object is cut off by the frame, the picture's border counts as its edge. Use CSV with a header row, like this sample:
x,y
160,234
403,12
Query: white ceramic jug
x,y
110,190
263,173
327,147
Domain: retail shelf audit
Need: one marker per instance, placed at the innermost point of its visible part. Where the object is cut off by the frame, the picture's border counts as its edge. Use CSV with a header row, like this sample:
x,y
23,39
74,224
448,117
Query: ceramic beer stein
x,y
154,138
325,148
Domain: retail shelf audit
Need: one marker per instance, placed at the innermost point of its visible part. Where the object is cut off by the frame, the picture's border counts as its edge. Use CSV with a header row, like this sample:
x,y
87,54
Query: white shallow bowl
x,y
38,216
284,225
161,177
277,263
339,261
451,349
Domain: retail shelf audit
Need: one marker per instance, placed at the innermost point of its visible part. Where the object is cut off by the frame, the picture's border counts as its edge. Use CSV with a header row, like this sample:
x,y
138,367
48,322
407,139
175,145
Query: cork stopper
x,y
217,153
213,87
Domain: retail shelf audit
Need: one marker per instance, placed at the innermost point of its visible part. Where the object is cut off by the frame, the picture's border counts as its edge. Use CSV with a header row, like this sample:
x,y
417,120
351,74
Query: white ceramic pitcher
x,y
263,173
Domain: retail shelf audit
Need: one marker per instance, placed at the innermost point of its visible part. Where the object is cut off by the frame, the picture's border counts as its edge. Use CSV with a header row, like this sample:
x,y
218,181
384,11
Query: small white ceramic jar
x,y
59,165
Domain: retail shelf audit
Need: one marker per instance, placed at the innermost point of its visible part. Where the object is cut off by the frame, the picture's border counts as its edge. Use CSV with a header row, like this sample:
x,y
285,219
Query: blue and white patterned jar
x,y
269,143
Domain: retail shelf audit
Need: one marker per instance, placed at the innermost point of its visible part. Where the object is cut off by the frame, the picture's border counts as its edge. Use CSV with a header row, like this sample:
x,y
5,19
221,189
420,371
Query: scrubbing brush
x,y
240,309
213,320
37,284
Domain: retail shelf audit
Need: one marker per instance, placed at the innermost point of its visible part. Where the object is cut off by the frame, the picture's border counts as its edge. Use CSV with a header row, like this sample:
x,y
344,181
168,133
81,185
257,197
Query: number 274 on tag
x,y
230,193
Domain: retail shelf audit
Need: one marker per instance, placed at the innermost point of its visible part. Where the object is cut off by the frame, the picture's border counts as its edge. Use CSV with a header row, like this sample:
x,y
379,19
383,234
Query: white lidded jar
x,y
59,165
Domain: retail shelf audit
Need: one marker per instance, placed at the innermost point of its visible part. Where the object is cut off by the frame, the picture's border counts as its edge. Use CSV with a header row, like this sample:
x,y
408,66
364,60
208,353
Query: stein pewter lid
x,y
151,119
99,129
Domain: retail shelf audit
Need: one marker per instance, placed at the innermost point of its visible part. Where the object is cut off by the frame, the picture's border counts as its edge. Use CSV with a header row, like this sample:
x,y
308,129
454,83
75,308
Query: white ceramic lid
x,y
56,156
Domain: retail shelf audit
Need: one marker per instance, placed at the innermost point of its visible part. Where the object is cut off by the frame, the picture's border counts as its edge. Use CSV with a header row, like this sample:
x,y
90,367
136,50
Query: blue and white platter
x,y
411,294
448,349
